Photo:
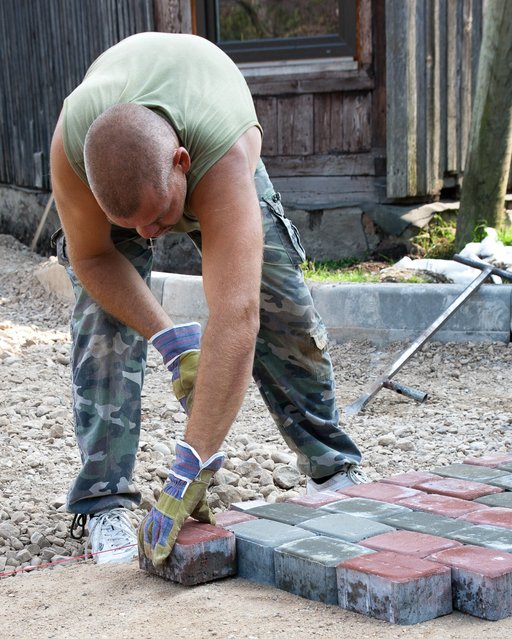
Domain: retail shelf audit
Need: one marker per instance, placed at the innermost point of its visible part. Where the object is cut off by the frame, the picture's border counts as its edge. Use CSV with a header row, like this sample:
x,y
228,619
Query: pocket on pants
x,y
282,240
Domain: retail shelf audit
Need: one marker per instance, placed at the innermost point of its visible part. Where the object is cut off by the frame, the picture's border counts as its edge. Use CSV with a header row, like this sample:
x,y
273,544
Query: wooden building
x,y
383,120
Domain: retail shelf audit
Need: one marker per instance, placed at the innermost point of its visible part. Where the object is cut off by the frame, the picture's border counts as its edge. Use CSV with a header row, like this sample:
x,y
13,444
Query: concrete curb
x,y
379,313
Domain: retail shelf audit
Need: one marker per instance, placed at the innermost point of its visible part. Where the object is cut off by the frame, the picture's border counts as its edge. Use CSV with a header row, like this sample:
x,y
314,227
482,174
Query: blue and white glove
x,y
183,496
179,347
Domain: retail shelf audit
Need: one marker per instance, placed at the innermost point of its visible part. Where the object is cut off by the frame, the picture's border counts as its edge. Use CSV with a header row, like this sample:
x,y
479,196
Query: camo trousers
x,y
292,369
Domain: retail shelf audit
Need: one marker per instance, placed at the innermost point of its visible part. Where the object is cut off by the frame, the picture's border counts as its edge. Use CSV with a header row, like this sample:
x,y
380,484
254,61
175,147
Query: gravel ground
x,y
468,413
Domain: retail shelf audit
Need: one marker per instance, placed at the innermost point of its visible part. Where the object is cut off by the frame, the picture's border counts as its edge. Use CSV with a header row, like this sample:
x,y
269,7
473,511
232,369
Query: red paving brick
x,y
410,479
232,517
458,488
380,491
484,561
441,505
491,516
491,461
406,542
316,500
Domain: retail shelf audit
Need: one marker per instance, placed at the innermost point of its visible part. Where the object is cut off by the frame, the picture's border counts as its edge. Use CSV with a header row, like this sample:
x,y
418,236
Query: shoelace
x,y
356,475
116,527
78,523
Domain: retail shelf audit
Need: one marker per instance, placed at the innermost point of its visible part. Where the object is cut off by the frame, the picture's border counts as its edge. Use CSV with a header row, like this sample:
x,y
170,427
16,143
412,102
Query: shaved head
x,y
128,148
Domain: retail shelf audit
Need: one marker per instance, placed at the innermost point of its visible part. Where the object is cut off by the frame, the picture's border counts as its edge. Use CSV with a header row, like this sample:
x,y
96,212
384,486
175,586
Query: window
x,y
266,30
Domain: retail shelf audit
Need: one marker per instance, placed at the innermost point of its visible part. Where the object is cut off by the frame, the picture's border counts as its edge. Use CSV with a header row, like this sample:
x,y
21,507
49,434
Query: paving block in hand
x,y
499,500
441,505
490,517
487,536
202,553
380,491
345,527
470,472
308,567
361,507
316,500
429,523
401,589
255,543
406,542
411,478
285,512
460,488
481,580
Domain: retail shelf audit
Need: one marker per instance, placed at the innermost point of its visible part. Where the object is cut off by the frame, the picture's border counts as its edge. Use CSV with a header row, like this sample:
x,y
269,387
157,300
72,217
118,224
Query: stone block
x,y
380,491
410,479
491,461
441,505
202,553
285,512
401,589
505,483
243,506
486,536
481,580
345,527
317,500
361,507
500,500
469,472
255,544
232,517
491,517
427,523
460,488
308,567
406,542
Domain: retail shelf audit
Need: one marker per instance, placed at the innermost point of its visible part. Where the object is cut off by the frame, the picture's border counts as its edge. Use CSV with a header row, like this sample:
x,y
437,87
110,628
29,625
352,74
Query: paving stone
x,y
370,508
461,488
504,483
406,542
231,517
501,500
486,536
308,567
316,500
442,505
247,505
490,516
202,553
507,467
285,512
410,479
400,589
491,461
255,543
427,523
481,580
469,472
345,527
380,491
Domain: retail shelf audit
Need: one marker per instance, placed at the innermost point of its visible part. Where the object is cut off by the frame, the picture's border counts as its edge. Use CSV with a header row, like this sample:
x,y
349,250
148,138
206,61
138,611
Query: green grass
x,y
505,236
437,240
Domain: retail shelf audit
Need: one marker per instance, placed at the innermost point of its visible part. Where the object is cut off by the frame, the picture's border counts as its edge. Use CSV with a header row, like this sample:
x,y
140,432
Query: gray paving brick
x,y
481,580
470,472
285,512
502,500
255,543
506,466
308,567
502,482
426,523
362,507
345,527
400,589
244,506
486,536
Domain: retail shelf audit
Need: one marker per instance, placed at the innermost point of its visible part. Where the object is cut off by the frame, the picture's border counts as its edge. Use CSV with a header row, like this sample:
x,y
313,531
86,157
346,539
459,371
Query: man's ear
x,y
181,158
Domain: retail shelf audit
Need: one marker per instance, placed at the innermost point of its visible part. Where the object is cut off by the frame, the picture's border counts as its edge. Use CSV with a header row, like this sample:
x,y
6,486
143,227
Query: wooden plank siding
x,y
47,46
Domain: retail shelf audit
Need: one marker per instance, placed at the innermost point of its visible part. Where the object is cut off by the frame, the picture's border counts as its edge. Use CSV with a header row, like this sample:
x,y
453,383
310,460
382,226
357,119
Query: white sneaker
x,y
351,476
112,537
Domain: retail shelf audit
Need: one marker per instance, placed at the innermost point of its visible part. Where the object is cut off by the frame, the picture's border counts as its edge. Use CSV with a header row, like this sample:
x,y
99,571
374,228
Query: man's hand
x,y
183,496
179,347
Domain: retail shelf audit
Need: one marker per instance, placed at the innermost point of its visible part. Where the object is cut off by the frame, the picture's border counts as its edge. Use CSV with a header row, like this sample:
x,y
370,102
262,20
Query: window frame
x,y
331,46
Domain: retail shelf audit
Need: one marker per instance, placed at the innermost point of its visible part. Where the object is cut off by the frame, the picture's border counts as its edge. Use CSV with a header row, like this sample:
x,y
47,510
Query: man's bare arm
x,y
106,274
227,205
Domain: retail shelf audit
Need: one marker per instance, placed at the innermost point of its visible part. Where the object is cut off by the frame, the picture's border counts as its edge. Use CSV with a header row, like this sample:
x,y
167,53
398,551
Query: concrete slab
x,y
460,488
486,536
285,512
360,507
492,461
345,527
441,505
410,479
502,500
469,472
501,517
427,523
380,491
406,542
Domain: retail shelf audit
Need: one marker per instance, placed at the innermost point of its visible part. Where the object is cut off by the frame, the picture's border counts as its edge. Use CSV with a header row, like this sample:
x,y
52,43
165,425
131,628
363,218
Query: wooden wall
x,y
47,46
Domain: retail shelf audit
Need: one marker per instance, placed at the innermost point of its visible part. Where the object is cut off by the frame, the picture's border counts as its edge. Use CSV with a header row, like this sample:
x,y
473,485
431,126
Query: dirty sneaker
x,y
112,538
350,476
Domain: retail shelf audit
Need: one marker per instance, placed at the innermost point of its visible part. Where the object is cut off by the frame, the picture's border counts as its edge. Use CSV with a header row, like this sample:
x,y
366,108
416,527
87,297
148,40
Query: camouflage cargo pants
x,y
292,369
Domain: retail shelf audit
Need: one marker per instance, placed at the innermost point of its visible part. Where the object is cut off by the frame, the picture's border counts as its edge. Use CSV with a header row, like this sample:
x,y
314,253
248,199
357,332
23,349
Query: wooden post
x,y
173,16
490,141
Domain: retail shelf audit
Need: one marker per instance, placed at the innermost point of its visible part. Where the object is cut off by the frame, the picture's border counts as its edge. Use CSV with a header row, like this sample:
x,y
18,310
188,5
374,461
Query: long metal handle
x,y
360,403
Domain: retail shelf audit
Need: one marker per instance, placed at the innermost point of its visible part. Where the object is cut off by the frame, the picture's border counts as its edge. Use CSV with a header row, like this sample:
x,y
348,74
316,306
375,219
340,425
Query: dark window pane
x,y
241,20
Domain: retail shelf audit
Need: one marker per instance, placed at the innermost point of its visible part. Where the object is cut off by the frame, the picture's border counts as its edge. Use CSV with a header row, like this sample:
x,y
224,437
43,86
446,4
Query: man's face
x,y
158,213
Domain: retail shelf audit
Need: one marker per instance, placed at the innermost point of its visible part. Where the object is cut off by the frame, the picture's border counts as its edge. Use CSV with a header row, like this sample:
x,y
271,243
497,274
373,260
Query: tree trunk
x,y
490,139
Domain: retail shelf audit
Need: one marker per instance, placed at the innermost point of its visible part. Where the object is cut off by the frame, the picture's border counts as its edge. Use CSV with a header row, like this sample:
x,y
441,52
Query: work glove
x,y
183,496
179,347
